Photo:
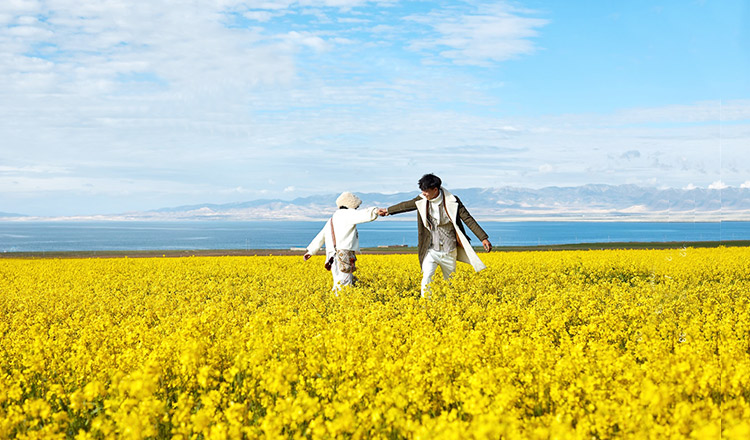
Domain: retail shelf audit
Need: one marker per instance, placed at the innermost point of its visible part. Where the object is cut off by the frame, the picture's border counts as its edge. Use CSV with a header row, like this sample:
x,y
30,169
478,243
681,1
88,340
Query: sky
x,y
112,106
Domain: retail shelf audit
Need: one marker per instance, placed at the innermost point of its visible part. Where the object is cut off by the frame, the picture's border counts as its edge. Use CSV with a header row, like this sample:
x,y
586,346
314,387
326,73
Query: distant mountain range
x,y
588,202
10,214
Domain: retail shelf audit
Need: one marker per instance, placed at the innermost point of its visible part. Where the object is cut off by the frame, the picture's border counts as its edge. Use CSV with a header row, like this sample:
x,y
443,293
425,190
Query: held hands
x,y
487,245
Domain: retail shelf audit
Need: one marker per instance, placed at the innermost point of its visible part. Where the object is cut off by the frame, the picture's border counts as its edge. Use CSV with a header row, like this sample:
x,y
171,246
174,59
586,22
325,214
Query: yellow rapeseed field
x,y
576,344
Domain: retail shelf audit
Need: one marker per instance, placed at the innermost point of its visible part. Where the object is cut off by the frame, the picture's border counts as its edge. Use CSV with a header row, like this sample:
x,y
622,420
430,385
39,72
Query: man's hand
x,y
307,256
382,212
487,245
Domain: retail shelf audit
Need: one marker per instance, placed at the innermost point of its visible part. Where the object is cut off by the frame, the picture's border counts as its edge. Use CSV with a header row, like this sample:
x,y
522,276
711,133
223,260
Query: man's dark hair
x,y
429,181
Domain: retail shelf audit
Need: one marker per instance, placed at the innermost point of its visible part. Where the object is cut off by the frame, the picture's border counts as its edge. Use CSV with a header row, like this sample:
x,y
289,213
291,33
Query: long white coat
x,y
465,253
345,223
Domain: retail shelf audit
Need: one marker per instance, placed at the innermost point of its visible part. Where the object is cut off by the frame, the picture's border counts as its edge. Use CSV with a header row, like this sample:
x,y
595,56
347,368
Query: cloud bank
x,y
108,106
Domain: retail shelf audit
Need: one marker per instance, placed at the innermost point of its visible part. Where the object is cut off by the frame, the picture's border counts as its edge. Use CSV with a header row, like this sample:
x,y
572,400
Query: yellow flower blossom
x,y
549,345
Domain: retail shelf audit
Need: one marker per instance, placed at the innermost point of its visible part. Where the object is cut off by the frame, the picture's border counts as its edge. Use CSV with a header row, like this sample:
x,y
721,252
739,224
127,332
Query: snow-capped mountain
x,y
588,202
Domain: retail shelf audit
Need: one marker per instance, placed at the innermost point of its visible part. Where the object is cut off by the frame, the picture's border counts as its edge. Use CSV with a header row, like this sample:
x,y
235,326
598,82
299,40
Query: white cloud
x,y
631,154
309,40
746,184
546,168
93,185
383,29
491,35
690,187
352,20
725,111
97,43
19,6
33,169
262,16
718,185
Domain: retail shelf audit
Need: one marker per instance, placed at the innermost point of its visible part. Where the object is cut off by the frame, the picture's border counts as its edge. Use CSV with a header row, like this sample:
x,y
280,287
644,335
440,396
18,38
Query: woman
x,y
341,239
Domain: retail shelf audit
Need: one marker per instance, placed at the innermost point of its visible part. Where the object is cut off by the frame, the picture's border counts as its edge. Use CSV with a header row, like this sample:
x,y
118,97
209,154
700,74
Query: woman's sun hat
x,y
348,200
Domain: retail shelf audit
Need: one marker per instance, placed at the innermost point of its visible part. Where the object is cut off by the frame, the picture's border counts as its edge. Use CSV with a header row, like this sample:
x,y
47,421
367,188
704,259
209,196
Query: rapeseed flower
x,y
577,344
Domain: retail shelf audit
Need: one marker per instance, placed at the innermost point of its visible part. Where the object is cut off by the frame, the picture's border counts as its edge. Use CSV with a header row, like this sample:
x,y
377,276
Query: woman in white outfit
x,y
344,232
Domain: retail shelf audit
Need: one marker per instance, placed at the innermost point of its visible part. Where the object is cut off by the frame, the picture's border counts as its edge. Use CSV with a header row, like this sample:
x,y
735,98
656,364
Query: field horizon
x,y
173,253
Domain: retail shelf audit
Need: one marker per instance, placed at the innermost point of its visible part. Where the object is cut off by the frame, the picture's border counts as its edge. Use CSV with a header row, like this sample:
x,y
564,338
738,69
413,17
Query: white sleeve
x,y
318,241
364,215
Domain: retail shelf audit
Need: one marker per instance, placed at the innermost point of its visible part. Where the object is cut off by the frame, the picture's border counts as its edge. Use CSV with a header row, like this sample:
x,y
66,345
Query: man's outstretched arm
x,y
398,208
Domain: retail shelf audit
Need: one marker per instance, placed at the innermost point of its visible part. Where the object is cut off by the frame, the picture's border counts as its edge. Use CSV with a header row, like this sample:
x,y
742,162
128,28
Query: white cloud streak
x,y
96,47
490,35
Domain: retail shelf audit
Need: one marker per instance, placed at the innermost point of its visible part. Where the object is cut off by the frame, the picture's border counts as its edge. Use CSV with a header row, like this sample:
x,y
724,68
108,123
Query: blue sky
x,y
114,106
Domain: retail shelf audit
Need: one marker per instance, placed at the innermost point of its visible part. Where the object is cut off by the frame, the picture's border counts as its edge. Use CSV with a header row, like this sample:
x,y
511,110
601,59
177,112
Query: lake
x,y
27,236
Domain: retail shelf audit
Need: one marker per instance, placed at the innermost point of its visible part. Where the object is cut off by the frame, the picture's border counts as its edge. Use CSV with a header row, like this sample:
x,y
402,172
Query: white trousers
x,y
433,259
340,279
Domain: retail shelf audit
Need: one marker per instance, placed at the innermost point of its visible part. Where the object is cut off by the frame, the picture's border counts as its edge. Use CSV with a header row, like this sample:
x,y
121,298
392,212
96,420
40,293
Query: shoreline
x,y
178,253
487,217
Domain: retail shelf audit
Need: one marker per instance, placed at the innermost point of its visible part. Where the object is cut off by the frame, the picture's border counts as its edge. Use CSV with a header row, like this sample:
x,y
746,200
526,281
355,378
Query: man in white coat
x,y
442,239
341,238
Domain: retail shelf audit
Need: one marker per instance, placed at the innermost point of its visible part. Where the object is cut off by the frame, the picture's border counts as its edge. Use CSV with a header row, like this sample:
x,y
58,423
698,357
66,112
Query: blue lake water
x,y
24,236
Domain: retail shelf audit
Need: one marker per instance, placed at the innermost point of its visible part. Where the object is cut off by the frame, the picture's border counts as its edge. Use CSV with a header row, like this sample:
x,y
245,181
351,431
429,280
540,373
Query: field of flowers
x,y
574,344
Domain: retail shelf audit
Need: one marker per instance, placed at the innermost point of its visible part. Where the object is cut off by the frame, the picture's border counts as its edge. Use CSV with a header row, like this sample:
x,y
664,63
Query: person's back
x,y
341,238
345,223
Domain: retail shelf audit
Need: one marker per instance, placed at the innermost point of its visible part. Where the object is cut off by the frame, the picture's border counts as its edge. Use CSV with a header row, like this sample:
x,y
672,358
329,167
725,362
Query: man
x,y
440,223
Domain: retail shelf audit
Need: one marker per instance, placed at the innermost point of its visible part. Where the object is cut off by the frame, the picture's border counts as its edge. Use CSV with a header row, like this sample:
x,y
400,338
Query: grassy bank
x,y
373,251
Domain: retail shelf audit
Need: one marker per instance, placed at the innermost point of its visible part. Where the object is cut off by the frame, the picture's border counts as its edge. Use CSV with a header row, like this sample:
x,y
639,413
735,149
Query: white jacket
x,y
345,223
